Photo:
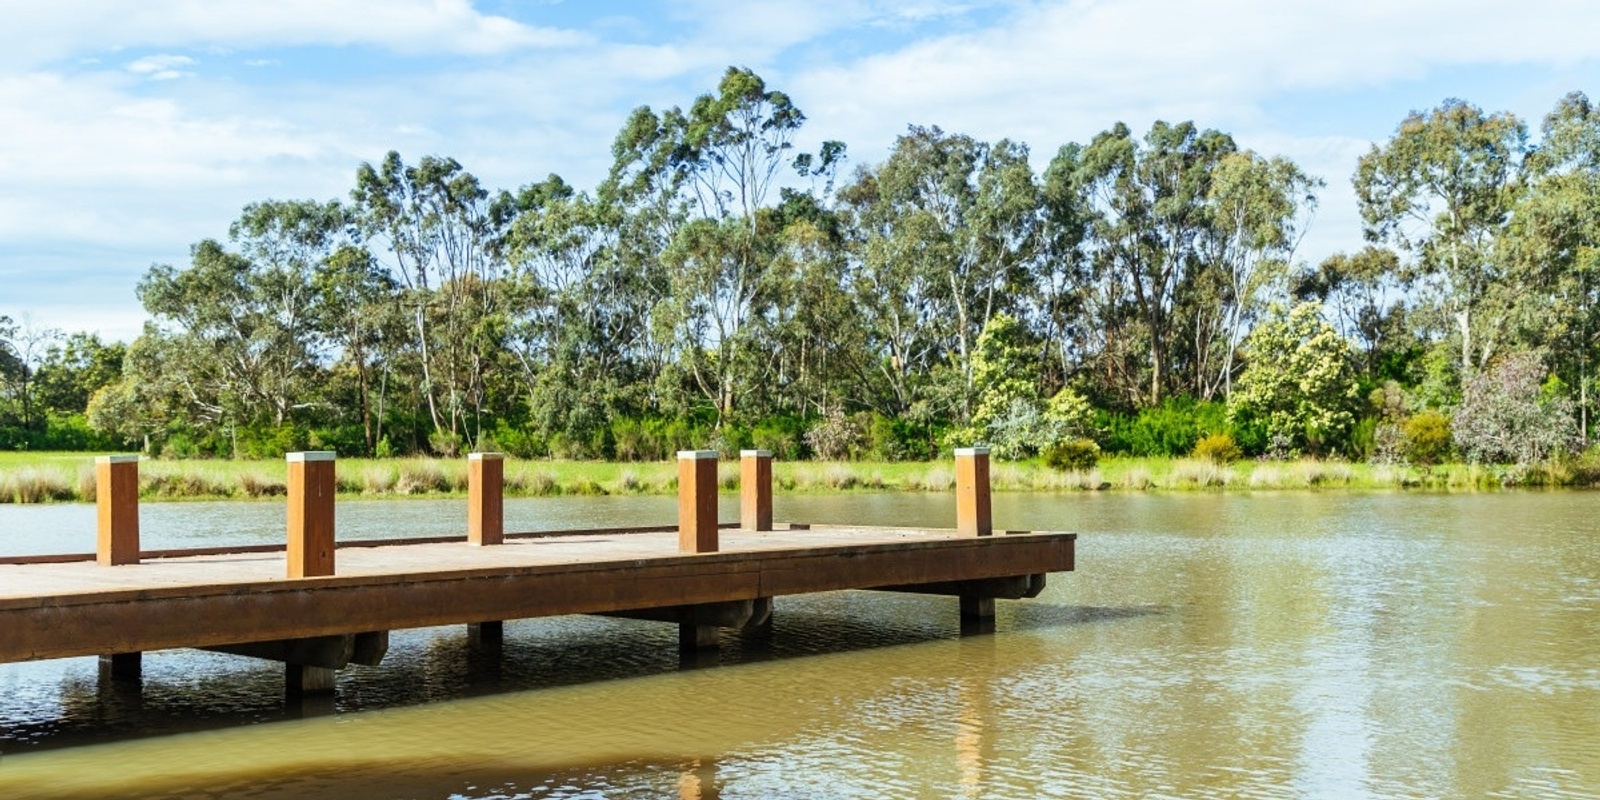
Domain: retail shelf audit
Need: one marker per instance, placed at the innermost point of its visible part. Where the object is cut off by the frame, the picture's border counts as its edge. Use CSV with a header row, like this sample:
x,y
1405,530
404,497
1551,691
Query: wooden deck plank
x,y
81,608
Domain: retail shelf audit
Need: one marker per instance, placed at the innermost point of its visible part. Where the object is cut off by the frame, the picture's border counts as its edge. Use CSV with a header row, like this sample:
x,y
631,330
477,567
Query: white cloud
x,y
44,32
162,67
1050,73
1086,54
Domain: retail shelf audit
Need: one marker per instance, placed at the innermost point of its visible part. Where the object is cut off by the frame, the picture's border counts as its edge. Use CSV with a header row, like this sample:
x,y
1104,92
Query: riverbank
x,y
69,477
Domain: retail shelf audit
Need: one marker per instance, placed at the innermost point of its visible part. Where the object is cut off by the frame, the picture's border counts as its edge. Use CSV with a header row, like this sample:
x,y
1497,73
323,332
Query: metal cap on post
x,y
755,490
697,501
972,492
486,498
311,490
116,499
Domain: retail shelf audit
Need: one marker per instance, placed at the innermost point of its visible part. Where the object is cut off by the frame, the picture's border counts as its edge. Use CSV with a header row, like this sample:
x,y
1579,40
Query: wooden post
x,y
486,636
311,514
116,498
299,679
755,490
122,666
972,492
486,498
697,501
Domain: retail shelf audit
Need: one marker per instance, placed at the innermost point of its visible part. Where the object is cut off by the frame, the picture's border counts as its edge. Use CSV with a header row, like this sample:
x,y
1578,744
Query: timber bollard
x,y
755,490
486,488
311,490
972,492
116,498
697,501
697,531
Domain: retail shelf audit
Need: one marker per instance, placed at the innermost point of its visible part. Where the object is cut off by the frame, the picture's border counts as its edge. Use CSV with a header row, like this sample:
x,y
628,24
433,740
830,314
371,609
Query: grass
x,y
69,477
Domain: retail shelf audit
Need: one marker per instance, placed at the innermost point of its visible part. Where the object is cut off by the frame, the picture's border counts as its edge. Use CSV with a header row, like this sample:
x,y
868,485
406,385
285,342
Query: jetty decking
x,y
346,597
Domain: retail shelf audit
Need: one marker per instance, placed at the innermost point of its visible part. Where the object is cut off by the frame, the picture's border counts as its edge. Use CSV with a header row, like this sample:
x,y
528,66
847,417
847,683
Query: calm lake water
x,y
1283,645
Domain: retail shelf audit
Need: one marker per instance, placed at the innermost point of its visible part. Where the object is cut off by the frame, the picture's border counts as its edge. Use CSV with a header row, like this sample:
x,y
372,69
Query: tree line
x,y
722,288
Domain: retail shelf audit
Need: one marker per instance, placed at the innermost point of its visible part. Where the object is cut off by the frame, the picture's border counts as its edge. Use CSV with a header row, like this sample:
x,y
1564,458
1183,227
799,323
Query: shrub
x,y
1425,438
1218,448
254,485
898,439
1388,444
782,435
836,436
1505,417
1019,431
1169,429
445,443
1080,455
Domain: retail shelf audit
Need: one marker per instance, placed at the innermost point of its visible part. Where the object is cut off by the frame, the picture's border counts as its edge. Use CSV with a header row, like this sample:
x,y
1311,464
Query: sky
x,y
130,131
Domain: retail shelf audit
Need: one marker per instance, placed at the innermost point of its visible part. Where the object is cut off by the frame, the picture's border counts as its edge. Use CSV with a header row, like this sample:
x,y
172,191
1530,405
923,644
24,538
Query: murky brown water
x,y
1277,645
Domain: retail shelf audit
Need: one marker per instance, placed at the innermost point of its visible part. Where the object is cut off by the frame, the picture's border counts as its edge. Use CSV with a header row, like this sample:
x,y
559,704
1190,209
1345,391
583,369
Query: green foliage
x,y
1426,438
1504,417
1218,448
1299,381
1079,455
1442,189
934,299
837,436
783,436
1170,429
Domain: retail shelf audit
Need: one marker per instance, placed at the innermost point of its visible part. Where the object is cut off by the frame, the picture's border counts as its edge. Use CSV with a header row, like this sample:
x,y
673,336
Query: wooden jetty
x,y
318,605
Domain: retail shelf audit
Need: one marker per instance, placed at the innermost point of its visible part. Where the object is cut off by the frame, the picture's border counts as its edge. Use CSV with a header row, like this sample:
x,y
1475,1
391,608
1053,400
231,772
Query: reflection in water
x,y
1287,645
699,780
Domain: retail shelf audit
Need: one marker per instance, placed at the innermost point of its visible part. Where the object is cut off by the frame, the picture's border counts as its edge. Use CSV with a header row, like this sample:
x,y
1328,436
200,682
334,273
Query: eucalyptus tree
x,y
433,225
359,317
1061,284
1554,239
819,356
1442,189
1366,295
74,369
240,336
160,389
1259,208
704,175
582,338
1150,216
24,348
947,234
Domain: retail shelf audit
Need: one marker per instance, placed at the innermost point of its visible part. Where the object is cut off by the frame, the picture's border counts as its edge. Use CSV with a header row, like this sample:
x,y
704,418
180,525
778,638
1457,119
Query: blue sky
x,y
132,130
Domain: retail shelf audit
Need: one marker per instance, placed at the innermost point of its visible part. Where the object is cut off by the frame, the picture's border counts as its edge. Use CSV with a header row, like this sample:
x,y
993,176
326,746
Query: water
x,y
1293,645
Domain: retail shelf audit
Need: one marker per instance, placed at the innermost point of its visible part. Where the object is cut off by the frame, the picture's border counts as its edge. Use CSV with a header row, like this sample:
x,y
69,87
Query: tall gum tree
x,y
1555,241
947,234
1149,213
1442,189
1260,208
433,222
711,170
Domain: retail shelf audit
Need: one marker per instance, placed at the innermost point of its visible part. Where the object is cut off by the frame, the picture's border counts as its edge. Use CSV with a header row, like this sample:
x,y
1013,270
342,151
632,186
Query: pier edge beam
x,y
973,517
116,498
486,498
697,501
311,533
755,490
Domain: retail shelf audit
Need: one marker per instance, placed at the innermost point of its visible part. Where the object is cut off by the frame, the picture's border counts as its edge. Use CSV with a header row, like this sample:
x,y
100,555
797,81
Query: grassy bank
x,y
69,477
